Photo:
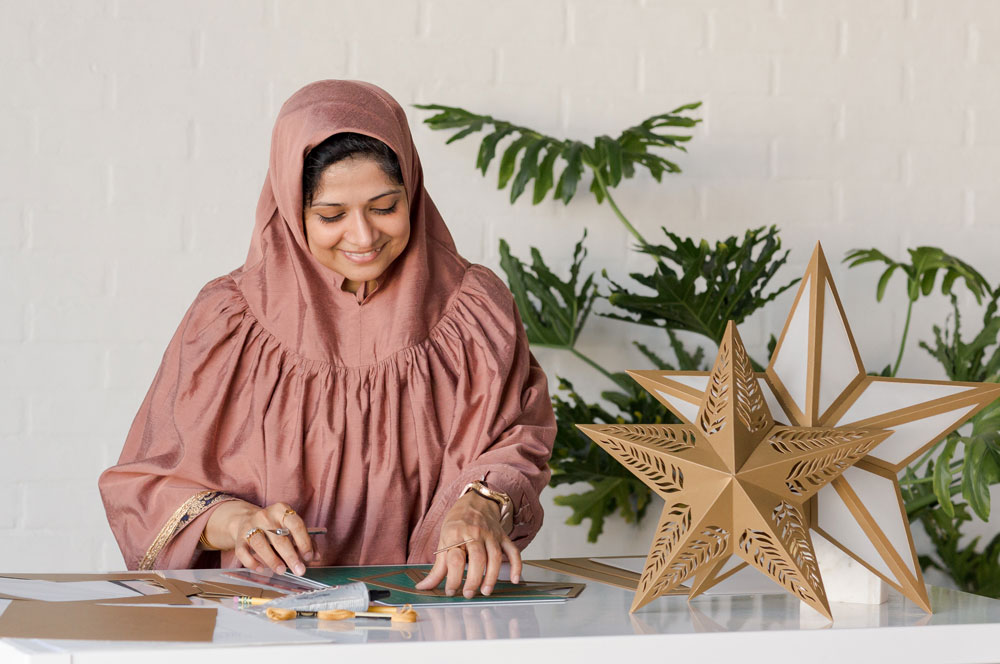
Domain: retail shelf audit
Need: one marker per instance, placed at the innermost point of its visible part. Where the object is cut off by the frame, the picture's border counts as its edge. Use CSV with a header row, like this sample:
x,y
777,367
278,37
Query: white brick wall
x,y
135,135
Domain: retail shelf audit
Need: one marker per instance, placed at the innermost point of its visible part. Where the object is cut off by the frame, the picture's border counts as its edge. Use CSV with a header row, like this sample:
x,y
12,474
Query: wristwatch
x,y
501,499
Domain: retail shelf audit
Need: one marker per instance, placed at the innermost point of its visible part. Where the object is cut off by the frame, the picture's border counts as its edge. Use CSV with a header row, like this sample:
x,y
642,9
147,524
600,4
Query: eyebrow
x,y
373,198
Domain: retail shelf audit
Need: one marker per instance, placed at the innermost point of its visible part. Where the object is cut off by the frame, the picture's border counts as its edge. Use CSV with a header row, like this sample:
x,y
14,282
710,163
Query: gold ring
x,y
287,512
251,533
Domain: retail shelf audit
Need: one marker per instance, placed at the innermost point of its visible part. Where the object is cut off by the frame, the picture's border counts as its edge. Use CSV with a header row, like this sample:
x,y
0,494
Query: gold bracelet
x,y
205,544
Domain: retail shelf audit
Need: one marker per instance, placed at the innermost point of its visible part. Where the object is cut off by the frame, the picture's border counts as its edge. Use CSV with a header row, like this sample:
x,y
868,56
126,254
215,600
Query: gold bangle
x,y
205,544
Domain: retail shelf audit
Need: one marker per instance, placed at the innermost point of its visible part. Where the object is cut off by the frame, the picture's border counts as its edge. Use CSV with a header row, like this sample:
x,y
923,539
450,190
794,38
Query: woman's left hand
x,y
474,518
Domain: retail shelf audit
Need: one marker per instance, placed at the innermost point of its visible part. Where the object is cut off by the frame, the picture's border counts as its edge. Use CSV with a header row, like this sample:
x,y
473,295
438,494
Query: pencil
x,y
452,546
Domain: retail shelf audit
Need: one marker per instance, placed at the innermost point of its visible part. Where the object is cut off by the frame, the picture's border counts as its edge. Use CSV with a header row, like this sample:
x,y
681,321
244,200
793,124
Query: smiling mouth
x,y
362,256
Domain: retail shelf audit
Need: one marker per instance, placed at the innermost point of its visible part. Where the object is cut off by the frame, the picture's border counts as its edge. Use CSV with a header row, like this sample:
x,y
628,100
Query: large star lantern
x,y
812,442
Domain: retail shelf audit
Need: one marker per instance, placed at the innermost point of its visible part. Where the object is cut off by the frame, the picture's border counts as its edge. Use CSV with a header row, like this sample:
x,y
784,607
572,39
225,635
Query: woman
x,y
355,374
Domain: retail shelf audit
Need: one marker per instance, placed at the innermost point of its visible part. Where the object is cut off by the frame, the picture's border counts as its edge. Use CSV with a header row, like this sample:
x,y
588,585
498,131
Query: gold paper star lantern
x,y
816,379
734,483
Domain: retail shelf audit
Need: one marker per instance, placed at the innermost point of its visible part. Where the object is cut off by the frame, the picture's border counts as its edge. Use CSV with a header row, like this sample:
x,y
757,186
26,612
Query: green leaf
x,y
700,288
591,505
971,360
943,476
553,310
545,178
614,158
509,157
884,281
528,169
488,148
566,187
975,478
922,271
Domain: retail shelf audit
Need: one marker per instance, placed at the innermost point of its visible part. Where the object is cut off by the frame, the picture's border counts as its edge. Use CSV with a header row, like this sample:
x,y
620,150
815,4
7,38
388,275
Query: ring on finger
x,y
285,516
250,533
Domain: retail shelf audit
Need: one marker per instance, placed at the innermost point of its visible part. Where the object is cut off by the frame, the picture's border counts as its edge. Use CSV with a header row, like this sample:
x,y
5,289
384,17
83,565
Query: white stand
x,y
845,579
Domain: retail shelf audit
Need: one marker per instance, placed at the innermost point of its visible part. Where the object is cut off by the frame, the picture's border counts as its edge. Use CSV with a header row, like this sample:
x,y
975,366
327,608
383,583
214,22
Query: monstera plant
x,y
697,287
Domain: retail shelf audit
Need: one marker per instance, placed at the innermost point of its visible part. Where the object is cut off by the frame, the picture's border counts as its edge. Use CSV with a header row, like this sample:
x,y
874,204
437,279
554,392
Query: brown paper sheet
x,y
176,595
590,569
212,589
101,622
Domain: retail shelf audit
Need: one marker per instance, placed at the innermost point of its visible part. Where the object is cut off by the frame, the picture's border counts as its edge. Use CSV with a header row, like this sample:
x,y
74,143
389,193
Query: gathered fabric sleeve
x,y
504,427
180,459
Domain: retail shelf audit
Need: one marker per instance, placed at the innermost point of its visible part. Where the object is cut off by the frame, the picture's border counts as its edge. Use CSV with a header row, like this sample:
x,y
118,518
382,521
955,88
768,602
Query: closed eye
x,y
388,210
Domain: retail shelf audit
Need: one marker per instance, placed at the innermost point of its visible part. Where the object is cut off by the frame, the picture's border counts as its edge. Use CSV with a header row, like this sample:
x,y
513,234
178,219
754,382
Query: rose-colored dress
x,y
367,413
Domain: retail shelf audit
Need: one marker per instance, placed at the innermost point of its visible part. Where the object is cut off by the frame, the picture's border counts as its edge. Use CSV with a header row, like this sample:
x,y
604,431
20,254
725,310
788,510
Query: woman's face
x,y
358,222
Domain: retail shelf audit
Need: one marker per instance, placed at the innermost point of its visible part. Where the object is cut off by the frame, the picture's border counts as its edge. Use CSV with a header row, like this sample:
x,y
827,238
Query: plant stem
x,y
902,343
617,211
595,365
913,508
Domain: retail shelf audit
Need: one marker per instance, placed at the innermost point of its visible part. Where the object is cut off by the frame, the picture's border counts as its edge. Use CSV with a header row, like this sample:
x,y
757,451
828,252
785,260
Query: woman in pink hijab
x,y
355,374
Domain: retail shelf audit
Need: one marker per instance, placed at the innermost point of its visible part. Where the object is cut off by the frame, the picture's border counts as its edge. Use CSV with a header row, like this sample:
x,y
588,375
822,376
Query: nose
x,y
361,234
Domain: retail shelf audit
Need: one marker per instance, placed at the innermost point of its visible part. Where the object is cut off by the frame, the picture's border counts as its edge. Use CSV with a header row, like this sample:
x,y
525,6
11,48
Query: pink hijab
x,y
416,286
367,413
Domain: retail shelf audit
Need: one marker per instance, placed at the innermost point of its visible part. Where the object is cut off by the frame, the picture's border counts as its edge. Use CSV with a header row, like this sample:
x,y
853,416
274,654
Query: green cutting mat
x,y
397,577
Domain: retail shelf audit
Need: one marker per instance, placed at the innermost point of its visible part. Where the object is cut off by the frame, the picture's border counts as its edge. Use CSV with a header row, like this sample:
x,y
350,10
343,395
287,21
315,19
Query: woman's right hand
x,y
263,551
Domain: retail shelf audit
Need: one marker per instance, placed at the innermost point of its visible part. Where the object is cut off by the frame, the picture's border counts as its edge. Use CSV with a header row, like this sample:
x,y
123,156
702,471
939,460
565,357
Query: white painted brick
x,y
505,102
937,125
230,138
10,505
182,14
63,505
47,365
70,456
667,28
41,276
377,20
109,45
48,551
893,204
806,78
958,83
142,227
87,10
132,366
271,52
31,87
843,161
763,32
17,134
66,215
733,207
11,227
205,94
17,39
863,10
382,65
90,137
67,225
987,209
755,116
905,41
576,67
65,412
731,158
12,326
698,74
931,12
955,167
12,415
524,23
